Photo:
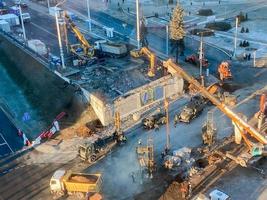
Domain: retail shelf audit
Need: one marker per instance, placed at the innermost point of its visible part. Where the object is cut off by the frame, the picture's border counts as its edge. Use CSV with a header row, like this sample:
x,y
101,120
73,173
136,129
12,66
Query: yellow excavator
x,y
258,148
87,50
144,51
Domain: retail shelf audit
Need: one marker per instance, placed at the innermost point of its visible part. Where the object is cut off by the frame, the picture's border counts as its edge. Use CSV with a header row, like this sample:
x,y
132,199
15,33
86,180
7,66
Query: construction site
x,y
132,99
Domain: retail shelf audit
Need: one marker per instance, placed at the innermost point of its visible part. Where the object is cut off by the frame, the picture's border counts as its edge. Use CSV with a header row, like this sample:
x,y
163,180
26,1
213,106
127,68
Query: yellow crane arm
x,y
175,70
152,60
77,32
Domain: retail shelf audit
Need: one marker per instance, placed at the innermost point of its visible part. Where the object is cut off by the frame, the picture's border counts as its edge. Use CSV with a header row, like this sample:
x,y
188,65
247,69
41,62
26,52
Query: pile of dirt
x,y
172,193
84,131
84,179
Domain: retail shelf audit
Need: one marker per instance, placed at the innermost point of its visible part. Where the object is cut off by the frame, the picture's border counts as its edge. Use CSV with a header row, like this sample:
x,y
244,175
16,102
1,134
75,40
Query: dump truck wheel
x,y
80,195
92,158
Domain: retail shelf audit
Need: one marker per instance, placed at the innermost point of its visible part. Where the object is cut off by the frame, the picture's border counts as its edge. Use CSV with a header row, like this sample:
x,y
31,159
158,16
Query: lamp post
x,y
137,25
59,35
22,23
48,4
89,15
235,41
167,39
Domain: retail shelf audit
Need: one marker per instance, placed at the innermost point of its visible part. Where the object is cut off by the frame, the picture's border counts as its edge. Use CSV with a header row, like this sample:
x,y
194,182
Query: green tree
x,y
177,31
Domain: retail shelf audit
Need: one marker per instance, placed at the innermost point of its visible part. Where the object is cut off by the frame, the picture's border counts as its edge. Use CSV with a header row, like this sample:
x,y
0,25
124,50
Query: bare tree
x,y
177,31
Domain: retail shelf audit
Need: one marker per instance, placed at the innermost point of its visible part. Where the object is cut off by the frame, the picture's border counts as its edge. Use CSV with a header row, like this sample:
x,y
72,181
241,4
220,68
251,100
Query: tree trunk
x,y
177,51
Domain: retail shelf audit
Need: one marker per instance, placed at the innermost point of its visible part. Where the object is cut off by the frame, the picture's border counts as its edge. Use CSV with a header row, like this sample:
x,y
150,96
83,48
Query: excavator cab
x,y
224,71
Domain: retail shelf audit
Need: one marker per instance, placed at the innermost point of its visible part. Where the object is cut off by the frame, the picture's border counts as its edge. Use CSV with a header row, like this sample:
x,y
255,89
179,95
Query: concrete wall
x,y
51,91
137,100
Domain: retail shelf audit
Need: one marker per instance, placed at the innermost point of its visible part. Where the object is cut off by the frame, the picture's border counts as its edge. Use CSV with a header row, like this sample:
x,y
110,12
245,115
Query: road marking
x,y
43,29
2,144
6,143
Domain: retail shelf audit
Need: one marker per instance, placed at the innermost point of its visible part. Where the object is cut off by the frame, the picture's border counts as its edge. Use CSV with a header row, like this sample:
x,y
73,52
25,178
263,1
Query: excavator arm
x,y
176,70
151,57
88,49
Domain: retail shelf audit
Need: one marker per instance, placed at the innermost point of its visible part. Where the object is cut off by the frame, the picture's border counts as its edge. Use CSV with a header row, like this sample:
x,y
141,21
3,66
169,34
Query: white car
x,y
218,195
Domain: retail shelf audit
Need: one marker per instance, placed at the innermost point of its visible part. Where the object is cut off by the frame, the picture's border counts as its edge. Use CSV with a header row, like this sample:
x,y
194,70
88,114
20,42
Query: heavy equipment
x,y
224,71
83,50
194,59
154,121
191,110
111,49
146,156
144,51
216,90
257,148
209,130
66,182
92,151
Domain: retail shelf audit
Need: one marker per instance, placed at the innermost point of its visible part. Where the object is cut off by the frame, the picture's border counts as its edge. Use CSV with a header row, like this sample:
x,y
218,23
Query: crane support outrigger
x,y
176,70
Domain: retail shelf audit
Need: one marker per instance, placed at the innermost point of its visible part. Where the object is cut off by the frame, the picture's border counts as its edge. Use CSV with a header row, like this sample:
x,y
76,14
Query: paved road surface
x,y
9,140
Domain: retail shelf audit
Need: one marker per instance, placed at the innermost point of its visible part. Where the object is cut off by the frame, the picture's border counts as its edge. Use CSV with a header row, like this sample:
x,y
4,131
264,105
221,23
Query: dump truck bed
x,y
80,182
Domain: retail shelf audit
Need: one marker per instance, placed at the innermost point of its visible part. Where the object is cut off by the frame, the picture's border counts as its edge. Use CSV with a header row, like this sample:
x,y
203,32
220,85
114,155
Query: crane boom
x,y
175,69
151,57
88,49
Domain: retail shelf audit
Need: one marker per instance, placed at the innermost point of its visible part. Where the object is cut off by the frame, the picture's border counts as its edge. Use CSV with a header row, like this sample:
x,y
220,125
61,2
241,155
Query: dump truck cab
x,y
56,185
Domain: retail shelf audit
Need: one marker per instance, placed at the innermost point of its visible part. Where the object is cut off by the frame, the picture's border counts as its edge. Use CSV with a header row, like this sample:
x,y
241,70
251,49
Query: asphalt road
x,y
9,140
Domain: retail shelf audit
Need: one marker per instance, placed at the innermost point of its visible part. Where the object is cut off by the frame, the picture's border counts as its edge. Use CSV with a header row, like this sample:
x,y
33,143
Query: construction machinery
x,y
226,97
111,49
92,151
262,114
257,148
146,156
66,182
144,51
224,71
154,121
191,110
83,50
209,130
194,59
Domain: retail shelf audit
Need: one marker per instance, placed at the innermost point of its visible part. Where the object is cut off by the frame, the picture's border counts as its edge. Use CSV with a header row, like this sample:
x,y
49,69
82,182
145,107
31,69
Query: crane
x,y
88,50
255,149
150,55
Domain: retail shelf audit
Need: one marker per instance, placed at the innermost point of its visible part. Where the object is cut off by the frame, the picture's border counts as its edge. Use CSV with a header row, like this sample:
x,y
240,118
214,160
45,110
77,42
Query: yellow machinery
x,y
224,71
151,56
88,50
256,149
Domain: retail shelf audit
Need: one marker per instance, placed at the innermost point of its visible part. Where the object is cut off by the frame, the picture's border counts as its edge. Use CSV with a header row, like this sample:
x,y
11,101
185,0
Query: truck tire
x,y
92,158
80,195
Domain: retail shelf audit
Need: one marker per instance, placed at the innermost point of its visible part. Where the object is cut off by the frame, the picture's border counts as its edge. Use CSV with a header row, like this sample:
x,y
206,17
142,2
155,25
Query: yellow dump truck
x,y
66,182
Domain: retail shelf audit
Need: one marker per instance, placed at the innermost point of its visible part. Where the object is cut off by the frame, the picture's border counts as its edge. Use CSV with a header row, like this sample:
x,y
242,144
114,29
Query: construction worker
x,y
156,126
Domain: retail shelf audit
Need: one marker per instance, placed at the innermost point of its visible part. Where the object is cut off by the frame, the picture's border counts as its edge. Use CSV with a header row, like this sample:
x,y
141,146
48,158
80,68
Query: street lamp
x,y
167,39
137,24
59,35
89,15
48,4
22,22
235,42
